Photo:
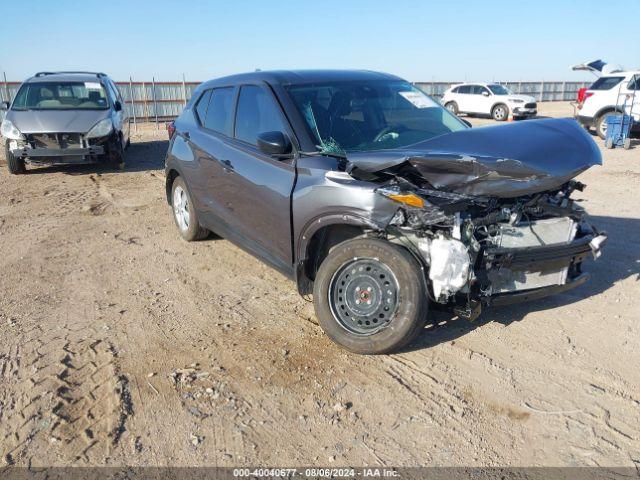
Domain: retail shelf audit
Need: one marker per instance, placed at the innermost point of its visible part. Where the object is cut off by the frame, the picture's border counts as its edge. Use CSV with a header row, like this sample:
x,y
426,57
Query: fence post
x,y
145,106
184,90
133,105
155,104
541,90
6,86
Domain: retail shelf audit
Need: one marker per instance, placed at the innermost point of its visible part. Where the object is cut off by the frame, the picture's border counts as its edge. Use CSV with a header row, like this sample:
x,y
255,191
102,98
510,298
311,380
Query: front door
x,y
257,190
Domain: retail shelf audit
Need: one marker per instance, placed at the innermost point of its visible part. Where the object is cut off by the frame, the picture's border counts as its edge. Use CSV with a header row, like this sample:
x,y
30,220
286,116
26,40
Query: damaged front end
x,y
490,229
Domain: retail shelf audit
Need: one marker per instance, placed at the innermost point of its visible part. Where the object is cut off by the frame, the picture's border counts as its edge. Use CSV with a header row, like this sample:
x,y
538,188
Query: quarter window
x,y
257,113
201,106
634,84
220,110
606,83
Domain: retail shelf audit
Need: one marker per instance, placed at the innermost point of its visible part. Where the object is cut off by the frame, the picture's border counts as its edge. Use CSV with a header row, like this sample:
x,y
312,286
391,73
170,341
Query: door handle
x,y
226,164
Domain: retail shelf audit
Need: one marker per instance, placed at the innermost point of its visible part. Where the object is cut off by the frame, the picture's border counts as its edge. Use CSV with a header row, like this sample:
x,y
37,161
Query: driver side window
x,y
257,113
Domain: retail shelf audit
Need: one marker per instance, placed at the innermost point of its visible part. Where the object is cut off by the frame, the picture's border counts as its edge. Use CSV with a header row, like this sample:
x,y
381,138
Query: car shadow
x,y
620,261
139,157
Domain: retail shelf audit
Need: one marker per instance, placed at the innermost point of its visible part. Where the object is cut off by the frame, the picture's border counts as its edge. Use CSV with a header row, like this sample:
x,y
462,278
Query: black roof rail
x,y
97,74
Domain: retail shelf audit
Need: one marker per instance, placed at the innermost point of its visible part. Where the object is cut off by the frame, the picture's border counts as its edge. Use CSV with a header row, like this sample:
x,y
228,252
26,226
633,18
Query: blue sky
x,y
419,40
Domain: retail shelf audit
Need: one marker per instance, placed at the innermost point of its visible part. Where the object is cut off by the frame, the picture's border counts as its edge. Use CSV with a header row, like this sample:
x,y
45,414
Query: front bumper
x,y
524,112
26,152
497,262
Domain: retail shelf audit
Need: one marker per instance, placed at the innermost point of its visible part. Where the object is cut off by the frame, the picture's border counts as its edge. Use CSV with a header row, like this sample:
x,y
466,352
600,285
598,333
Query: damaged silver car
x,y
65,118
378,201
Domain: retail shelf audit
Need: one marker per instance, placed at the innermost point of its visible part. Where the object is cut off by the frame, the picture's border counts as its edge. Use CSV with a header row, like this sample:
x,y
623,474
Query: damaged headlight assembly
x,y
101,129
10,131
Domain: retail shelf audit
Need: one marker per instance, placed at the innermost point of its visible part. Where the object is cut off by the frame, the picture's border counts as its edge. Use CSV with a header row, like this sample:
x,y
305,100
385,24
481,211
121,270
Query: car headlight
x,y
9,130
100,129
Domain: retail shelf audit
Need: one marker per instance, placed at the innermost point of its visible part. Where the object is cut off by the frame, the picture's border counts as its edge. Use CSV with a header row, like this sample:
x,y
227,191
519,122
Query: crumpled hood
x,y
56,121
501,161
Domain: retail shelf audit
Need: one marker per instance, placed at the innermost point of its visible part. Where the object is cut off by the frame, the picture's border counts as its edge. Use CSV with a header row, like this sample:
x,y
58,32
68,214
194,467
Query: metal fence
x,y
162,101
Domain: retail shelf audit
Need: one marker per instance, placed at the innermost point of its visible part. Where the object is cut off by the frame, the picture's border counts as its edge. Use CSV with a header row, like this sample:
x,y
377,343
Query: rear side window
x,y
634,83
257,113
201,106
455,90
606,83
219,112
464,89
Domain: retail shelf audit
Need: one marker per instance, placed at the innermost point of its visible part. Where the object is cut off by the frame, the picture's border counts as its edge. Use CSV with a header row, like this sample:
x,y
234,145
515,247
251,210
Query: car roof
x,y
298,77
45,77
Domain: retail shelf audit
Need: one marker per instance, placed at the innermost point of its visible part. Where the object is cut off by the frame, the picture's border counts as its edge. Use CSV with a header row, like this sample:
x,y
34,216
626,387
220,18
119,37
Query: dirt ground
x,y
121,344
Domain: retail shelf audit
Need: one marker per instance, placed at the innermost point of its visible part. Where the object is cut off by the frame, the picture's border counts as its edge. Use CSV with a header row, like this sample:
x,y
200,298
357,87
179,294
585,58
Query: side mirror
x,y
4,105
485,94
274,143
117,106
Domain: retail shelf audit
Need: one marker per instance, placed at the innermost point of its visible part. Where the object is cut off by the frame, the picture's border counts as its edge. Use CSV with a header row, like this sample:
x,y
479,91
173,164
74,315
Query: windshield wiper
x,y
320,153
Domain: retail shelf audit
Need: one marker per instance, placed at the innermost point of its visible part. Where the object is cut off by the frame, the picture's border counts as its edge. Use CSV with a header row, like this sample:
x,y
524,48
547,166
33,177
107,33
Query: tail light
x,y
171,129
581,93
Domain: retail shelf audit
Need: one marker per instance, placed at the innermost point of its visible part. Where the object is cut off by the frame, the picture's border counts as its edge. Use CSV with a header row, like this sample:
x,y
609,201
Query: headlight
x,y
9,130
100,129
407,198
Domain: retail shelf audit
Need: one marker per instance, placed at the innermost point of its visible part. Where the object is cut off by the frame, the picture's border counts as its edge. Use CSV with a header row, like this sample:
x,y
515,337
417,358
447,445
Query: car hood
x,y
501,161
524,98
53,121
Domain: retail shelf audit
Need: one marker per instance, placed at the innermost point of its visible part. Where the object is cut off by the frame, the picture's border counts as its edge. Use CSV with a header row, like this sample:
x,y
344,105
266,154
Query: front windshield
x,y
370,115
61,96
499,90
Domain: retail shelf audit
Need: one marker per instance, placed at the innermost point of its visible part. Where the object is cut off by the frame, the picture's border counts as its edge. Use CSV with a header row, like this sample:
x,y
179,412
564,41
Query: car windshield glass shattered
x,y
499,90
371,115
61,96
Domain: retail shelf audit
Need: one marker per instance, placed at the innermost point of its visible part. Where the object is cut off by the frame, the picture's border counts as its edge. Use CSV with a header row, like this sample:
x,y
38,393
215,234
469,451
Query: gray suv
x,y
65,118
378,201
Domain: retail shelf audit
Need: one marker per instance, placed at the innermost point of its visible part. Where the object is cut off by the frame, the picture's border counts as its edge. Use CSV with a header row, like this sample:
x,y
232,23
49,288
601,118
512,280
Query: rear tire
x,y
15,165
601,124
452,107
500,112
369,296
184,214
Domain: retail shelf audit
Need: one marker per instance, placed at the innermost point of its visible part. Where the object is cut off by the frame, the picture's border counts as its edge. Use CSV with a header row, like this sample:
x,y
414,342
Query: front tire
x,y
15,165
500,112
370,296
184,214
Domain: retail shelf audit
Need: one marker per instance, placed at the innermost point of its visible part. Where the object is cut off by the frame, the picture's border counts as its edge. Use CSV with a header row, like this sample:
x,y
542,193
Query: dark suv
x,y
63,118
371,196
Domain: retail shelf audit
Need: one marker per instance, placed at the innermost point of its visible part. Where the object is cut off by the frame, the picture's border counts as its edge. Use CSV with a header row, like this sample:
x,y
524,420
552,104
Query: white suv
x,y
606,96
488,99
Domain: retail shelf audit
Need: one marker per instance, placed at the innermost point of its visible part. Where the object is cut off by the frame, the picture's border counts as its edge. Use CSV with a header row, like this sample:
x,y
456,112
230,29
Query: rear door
x,y
464,98
258,188
478,102
209,142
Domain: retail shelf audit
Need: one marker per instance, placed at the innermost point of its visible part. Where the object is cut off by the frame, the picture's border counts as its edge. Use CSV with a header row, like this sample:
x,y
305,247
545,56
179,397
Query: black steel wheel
x,y
363,295
370,296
